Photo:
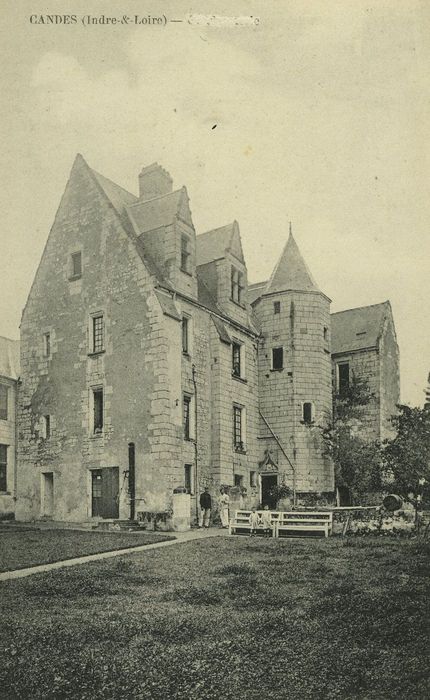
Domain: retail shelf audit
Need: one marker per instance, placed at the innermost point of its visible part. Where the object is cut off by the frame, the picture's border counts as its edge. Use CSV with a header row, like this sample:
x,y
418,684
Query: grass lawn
x,y
22,548
225,618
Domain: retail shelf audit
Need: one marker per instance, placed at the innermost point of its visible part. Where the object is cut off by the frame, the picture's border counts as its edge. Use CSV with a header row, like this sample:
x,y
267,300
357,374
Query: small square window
x,y
277,358
4,390
276,307
76,265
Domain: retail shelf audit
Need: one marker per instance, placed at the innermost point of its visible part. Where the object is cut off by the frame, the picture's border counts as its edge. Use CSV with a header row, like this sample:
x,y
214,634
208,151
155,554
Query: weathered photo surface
x,y
214,348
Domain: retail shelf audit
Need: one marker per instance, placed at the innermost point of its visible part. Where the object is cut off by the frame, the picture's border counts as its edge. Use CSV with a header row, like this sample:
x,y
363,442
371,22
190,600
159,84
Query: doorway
x,y
268,482
47,495
105,492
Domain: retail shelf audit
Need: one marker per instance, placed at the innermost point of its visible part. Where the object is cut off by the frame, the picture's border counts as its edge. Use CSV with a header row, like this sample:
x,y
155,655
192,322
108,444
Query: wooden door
x,y
105,492
268,482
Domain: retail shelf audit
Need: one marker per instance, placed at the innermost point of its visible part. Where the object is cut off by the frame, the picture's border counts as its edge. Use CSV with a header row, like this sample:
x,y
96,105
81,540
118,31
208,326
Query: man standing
x,y
205,508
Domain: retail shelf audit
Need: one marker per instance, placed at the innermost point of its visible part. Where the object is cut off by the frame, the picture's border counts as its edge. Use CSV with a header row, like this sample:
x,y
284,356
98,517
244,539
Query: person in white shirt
x,y
224,503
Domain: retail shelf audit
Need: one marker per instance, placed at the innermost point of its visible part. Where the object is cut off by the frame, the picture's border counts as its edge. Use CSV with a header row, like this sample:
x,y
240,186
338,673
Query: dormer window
x,y
185,254
237,286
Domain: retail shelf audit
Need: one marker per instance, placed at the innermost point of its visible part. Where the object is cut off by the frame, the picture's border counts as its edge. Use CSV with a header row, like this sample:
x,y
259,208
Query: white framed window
x,y
237,285
239,427
96,332
188,415
238,359
187,334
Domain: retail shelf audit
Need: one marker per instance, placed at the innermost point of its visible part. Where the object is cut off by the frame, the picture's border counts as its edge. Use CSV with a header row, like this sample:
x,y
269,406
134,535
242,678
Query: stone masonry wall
x,y
365,365
8,438
133,370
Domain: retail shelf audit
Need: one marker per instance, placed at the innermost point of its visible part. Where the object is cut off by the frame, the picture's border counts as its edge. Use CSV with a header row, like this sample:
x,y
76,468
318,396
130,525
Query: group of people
x,y
206,508
255,519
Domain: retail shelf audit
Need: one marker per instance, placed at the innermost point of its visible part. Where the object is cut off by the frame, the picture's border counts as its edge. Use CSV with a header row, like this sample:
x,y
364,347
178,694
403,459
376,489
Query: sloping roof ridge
x,y
360,308
111,182
161,196
219,228
254,285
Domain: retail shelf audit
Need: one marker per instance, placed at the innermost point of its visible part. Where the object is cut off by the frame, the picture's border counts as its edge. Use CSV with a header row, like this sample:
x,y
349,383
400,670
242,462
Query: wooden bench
x,y
239,525
304,524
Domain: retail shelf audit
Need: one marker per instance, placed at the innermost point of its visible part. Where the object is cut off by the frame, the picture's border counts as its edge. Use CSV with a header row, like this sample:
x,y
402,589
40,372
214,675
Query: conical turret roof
x,y
291,272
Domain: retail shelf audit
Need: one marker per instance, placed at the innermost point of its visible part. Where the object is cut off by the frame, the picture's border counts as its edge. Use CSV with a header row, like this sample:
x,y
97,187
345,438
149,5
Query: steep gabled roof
x,y
155,213
357,329
291,272
9,358
214,244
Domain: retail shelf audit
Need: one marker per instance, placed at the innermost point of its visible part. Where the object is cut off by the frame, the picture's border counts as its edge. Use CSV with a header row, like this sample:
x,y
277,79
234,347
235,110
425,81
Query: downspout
x,y
196,471
15,470
293,469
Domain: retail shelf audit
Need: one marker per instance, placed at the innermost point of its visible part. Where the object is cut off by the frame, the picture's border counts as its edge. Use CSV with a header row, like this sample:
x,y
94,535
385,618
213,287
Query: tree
x,y
427,393
406,457
357,461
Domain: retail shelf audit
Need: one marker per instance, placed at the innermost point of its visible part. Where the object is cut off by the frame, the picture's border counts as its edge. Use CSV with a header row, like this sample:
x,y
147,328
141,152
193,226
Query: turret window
x,y
277,359
308,412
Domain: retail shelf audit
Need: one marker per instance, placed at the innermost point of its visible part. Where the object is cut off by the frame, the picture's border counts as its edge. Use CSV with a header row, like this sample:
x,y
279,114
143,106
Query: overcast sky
x,y
322,118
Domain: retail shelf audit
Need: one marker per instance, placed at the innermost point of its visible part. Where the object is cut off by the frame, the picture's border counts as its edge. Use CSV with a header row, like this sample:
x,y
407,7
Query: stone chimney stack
x,y
154,181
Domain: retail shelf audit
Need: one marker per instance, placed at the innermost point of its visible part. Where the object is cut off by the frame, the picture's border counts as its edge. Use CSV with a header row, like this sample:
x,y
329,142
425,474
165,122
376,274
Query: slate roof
x,y
9,358
256,290
291,272
118,196
139,217
212,245
357,329
155,213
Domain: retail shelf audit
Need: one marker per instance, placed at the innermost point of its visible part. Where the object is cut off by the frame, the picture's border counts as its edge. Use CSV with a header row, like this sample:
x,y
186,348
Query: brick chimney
x,y
154,181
